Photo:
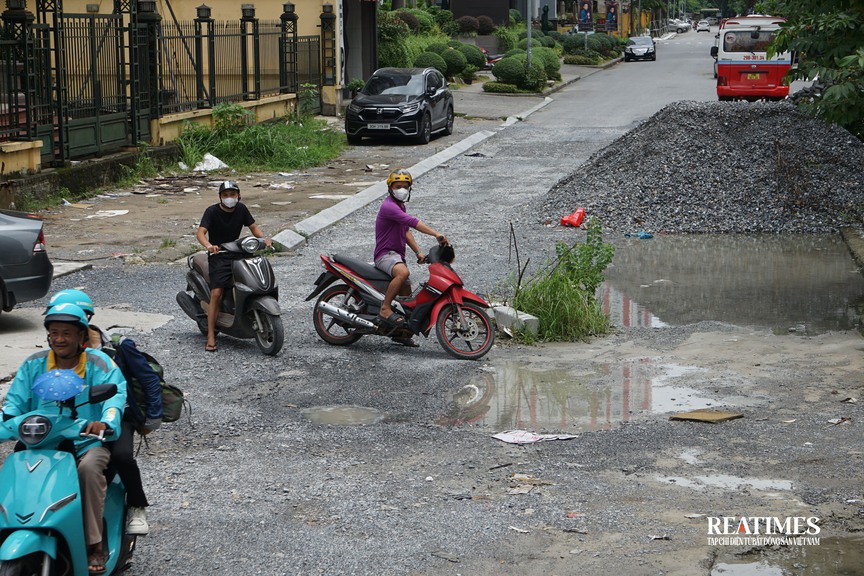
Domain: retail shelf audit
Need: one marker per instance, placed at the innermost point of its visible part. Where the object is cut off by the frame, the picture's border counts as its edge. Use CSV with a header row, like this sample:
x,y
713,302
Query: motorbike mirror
x,y
102,392
714,51
439,253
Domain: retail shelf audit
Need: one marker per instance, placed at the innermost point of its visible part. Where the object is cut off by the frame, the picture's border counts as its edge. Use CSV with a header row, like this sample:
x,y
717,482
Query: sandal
x,y
96,562
210,348
406,342
393,321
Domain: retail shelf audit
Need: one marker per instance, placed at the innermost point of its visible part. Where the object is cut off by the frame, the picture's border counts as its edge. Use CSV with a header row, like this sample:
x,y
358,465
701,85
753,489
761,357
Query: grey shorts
x,y
386,262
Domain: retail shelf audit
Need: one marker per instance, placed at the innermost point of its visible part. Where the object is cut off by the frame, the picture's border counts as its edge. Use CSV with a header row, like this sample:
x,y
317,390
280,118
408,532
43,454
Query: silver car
x,y
25,270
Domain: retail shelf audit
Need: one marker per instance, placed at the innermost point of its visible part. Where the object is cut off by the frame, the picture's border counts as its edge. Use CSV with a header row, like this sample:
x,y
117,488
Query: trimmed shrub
x,y
486,25
453,43
509,70
468,24
594,43
573,43
442,17
523,44
551,62
473,55
515,16
513,52
580,60
424,20
409,19
499,87
393,54
431,60
548,41
391,28
455,60
556,35
535,34
437,47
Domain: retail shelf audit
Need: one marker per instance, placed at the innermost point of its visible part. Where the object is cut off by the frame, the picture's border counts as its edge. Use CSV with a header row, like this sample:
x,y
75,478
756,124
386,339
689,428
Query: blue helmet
x,y
69,313
76,297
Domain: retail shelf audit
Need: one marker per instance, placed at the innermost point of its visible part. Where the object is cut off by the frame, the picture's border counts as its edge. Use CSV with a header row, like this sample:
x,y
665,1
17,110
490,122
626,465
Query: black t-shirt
x,y
225,226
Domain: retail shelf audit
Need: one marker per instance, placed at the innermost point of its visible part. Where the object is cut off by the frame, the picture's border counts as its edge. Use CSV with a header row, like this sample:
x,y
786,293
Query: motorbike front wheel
x,y
330,329
471,342
269,333
30,565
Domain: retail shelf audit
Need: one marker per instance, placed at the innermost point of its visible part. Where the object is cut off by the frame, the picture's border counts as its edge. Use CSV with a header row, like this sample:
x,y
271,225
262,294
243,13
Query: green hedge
x,y
430,60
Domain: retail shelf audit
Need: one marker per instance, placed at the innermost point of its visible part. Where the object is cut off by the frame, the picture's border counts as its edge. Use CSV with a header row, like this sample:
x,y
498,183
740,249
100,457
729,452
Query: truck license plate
x,y
379,126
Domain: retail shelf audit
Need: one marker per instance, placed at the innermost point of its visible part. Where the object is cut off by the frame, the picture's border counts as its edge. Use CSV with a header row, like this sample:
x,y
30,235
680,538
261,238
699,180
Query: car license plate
x,y
378,126
754,76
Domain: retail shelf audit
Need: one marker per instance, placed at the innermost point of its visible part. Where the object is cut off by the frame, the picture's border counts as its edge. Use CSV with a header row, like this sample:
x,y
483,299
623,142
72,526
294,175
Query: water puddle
x,y
832,557
727,482
517,397
342,415
805,283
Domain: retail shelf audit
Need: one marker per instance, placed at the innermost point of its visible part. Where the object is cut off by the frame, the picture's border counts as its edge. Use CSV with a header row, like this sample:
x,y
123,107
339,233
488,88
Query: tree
x,y
828,38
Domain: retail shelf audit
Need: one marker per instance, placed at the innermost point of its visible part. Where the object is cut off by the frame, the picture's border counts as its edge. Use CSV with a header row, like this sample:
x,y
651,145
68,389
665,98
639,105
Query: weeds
x,y
144,167
562,295
288,144
167,243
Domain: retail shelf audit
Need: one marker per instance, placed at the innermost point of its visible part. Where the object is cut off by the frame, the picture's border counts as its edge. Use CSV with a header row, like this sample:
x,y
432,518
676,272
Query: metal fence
x,y
232,61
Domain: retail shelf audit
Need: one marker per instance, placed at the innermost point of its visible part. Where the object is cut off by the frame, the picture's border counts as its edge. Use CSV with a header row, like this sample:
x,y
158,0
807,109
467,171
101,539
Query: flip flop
x,y
393,321
406,342
96,563
210,348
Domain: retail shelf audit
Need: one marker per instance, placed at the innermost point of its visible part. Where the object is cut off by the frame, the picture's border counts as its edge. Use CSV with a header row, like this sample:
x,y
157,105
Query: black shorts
x,y
220,271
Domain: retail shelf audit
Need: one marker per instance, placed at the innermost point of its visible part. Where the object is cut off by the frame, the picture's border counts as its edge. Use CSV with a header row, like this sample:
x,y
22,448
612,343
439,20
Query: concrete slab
x,y
64,267
289,239
512,319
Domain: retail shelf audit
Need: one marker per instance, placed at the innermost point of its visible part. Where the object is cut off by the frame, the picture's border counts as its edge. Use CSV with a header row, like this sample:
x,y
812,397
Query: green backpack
x,y
172,397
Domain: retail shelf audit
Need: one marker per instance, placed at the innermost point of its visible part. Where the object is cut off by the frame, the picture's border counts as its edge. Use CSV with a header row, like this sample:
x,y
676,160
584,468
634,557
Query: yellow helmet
x,y
399,176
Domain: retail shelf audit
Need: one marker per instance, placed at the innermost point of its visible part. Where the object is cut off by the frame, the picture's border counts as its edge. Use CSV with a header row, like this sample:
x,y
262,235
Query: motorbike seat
x,y
201,263
367,271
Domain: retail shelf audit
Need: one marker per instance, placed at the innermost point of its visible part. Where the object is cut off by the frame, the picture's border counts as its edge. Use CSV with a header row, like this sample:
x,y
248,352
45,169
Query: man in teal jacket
x,y
67,328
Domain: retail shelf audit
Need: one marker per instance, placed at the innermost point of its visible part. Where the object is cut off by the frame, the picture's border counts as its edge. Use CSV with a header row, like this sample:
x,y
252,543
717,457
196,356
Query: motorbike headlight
x,y
250,244
34,429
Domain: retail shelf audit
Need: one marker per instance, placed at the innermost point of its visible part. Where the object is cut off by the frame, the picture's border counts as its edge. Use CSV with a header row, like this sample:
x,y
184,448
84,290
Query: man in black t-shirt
x,y
222,223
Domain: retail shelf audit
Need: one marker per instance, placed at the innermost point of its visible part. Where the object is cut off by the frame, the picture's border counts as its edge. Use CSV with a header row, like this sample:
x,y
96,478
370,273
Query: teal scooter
x,y
41,522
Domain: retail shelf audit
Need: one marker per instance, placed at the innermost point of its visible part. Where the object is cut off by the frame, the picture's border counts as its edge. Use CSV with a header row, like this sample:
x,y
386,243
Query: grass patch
x,y
167,243
287,144
562,295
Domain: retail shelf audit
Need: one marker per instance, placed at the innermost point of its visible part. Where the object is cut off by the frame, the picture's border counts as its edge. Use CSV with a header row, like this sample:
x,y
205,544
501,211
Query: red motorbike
x,y
351,293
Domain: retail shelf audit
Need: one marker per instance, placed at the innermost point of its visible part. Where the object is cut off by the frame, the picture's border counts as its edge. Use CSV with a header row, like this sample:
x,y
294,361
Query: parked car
x,y
703,26
640,48
680,26
409,102
25,270
712,21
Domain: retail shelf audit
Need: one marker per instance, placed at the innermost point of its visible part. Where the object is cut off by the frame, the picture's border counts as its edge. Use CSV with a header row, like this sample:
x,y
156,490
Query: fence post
x,y
151,19
17,26
328,45
288,50
249,18
203,18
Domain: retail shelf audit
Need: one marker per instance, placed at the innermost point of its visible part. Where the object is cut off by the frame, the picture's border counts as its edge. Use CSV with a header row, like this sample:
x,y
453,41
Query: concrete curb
x,y
328,217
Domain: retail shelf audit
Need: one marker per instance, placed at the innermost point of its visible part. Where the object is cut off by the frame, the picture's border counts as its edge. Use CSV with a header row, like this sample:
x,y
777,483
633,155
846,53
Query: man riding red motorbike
x,y
392,231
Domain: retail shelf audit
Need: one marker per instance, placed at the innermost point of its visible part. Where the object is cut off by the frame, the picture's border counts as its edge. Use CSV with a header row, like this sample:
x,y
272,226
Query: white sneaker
x,y
136,522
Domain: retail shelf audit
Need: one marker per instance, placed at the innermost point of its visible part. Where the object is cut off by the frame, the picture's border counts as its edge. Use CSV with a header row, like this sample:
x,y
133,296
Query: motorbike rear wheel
x,y
469,344
30,565
269,334
330,329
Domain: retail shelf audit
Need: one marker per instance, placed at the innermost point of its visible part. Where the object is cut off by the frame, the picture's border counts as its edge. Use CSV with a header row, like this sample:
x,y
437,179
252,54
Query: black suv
x,y
412,102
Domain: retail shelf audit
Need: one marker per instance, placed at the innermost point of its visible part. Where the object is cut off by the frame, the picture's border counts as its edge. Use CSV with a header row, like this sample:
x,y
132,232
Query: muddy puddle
x,y
831,557
585,398
801,283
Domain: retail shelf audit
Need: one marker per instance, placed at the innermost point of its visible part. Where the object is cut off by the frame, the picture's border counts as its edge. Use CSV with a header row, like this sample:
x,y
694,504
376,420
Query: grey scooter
x,y
251,308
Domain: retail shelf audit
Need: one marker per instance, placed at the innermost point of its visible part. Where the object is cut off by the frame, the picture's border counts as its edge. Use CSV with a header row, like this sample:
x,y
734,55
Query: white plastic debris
x,y
525,437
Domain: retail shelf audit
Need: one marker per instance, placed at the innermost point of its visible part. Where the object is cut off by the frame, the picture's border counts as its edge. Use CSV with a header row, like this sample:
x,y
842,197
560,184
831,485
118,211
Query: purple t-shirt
x,y
391,226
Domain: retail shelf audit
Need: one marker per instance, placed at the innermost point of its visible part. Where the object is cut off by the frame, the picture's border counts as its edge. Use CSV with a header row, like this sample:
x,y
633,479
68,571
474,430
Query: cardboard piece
x,y
711,416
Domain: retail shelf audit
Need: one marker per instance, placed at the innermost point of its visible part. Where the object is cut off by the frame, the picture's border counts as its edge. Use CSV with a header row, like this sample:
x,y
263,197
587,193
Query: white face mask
x,y
230,202
401,194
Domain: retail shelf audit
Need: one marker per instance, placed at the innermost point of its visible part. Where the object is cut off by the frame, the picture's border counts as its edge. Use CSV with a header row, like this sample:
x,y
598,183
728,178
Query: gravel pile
x,y
700,167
